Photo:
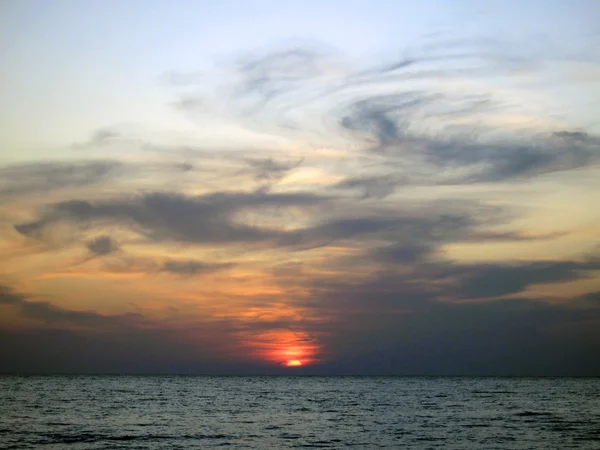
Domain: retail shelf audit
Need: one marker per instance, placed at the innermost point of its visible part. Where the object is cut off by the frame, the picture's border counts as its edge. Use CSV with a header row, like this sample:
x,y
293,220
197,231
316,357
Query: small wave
x,y
289,436
62,438
303,409
207,436
430,438
122,438
401,432
317,444
476,425
532,413
493,392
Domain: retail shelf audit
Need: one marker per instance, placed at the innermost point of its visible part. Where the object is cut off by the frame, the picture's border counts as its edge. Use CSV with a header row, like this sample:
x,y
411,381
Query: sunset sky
x,y
300,187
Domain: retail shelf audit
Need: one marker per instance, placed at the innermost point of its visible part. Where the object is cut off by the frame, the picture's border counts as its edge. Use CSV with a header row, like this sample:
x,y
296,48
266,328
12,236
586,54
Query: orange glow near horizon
x,y
283,347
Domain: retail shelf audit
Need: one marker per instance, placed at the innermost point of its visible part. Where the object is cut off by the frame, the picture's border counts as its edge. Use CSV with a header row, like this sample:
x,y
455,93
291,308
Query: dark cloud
x,y
89,342
190,267
591,298
401,234
378,118
55,315
68,351
576,136
102,245
513,236
375,186
455,281
386,121
415,236
492,280
185,167
127,262
404,252
42,177
212,219
162,216
520,337
9,297
416,228
407,323
269,170
123,351
408,281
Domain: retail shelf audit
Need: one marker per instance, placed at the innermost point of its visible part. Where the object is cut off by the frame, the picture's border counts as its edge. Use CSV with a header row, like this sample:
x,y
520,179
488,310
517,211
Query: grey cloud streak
x,y
169,216
42,177
220,218
191,267
495,161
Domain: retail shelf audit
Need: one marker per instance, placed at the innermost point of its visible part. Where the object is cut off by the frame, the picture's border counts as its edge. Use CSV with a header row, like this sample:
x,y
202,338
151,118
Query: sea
x,y
277,412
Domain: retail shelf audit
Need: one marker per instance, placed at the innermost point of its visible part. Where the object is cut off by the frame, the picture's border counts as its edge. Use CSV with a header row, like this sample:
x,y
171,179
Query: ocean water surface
x,y
197,412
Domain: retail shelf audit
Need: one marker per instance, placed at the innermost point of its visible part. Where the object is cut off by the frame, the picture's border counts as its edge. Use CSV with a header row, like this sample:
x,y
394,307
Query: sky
x,y
267,187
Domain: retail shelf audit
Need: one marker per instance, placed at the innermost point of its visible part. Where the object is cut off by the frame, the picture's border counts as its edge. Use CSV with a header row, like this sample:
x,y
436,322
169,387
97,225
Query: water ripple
x,y
177,412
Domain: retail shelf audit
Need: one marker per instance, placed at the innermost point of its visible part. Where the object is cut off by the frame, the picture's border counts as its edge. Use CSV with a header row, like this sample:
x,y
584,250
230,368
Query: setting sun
x,y
294,363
